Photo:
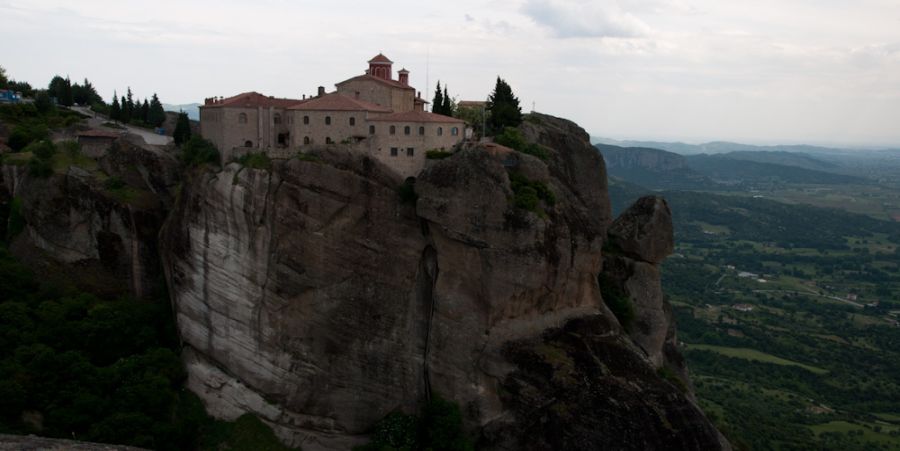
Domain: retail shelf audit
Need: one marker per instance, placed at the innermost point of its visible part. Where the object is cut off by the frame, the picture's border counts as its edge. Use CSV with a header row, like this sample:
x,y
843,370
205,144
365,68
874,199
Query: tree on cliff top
x,y
157,114
3,79
504,108
115,111
182,131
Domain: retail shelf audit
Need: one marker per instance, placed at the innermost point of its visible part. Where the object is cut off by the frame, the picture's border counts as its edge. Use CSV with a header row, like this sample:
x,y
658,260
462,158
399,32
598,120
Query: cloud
x,y
583,19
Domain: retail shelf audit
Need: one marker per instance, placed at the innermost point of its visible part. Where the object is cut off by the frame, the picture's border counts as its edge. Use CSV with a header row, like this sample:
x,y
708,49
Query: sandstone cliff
x,y
80,229
315,297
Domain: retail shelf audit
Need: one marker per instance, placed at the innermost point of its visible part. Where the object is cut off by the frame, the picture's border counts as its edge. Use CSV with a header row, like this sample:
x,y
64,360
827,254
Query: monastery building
x,y
373,112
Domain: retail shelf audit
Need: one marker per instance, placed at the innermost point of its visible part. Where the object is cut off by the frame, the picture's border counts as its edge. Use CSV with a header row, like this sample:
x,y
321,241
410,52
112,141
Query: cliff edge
x,y
313,295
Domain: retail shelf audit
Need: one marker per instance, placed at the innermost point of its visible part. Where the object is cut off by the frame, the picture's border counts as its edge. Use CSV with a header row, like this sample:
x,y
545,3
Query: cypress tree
x,y
438,102
447,107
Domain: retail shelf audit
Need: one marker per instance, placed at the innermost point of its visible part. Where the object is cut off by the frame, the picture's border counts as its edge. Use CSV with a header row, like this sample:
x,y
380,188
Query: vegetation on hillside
x,y
437,428
106,370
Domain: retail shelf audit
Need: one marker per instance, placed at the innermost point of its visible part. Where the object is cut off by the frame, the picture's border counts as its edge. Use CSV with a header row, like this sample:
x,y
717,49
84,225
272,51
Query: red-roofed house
x,y
377,114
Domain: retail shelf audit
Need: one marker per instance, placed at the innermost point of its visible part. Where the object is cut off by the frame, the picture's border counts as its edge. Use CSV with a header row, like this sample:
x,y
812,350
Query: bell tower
x,y
380,66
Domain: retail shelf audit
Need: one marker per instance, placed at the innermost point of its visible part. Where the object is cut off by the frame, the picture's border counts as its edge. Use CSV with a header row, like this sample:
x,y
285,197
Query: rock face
x,y
313,296
78,230
639,240
30,442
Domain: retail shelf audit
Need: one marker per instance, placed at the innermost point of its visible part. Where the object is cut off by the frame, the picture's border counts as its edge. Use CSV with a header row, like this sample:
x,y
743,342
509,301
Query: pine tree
x,y
128,107
85,94
157,114
115,111
61,89
504,108
182,131
447,107
438,102
145,111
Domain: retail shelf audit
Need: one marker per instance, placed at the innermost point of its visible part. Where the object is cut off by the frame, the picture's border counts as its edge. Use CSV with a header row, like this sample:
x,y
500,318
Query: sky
x,y
764,72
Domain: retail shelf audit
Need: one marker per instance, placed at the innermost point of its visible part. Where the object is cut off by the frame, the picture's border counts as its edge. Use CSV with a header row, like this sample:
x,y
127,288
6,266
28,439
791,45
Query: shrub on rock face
x,y
256,161
197,151
439,428
617,301
512,138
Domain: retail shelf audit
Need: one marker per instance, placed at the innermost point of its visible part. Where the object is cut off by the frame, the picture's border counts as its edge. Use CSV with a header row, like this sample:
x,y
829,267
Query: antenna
x,y
427,65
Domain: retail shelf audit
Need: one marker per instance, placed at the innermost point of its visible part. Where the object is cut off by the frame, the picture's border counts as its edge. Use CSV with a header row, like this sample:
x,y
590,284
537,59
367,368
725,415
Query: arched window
x,y
352,121
306,120
277,118
306,140
327,120
247,143
393,130
371,129
440,131
328,140
242,118
406,130
421,130
454,131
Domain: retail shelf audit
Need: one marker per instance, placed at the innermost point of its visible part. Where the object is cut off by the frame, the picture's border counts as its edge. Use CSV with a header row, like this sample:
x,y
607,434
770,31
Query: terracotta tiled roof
x,y
97,134
391,83
252,100
380,58
416,116
338,102
471,103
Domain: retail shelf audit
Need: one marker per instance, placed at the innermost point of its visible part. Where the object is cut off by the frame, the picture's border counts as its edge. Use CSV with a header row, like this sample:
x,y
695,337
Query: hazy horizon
x,y
774,72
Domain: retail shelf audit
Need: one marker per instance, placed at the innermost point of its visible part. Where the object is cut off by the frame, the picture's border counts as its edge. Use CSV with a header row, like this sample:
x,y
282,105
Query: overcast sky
x,y
767,71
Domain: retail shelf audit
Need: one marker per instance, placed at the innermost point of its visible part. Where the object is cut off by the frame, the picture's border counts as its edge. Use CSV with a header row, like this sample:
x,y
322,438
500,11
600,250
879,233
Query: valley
x,y
788,300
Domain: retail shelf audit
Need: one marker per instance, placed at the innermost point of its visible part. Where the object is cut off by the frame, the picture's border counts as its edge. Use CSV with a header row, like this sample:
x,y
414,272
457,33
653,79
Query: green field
x,y
753,354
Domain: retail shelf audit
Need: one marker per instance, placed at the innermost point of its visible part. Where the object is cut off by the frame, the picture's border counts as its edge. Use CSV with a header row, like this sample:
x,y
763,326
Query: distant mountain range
x,y
717,147
660,169
192,109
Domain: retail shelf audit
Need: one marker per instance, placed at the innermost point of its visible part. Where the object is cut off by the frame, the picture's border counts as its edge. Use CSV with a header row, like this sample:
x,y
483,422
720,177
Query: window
x,y
328,140
242,118
421,131
306,120
406,130
283,139
306,140
410,151
454,131
327,120
248,143
393,130
352,121
371,129
277,118
440,131
394,151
